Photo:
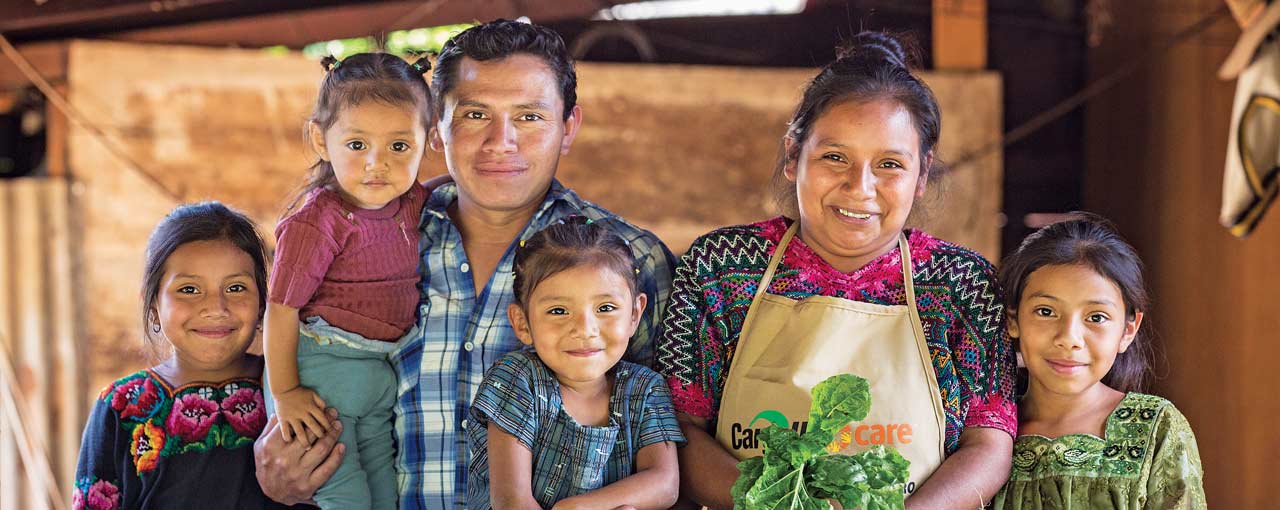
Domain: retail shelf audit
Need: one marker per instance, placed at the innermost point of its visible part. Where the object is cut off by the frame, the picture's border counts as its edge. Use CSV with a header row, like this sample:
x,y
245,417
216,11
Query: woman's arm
x,y
969,477
707,470
654,486
510,464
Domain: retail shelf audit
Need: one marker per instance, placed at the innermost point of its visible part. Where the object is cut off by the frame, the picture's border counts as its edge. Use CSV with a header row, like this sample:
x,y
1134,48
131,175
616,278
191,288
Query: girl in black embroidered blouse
x,y
180,434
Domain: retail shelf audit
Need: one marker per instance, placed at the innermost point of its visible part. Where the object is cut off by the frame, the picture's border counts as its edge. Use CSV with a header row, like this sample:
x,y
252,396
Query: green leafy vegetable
x,y
748,472
797,473
838,401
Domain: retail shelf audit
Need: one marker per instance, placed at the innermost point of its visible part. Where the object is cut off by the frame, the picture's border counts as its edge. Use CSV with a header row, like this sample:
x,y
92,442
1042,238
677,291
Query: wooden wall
x,y
1155,151
677,149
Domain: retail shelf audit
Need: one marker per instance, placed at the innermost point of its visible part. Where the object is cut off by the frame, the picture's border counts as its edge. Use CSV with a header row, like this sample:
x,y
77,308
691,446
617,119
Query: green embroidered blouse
x,y
1148,460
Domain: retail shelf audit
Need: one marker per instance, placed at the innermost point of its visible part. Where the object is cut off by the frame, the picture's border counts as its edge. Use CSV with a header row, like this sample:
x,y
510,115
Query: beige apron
x,y
787,347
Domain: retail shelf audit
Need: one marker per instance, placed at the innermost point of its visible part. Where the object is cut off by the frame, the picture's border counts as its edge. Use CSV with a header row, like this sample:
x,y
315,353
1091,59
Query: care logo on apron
x,y
788,346
747,437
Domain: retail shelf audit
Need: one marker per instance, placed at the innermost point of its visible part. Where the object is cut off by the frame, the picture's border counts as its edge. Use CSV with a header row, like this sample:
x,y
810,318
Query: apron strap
x,y
907,280
767,279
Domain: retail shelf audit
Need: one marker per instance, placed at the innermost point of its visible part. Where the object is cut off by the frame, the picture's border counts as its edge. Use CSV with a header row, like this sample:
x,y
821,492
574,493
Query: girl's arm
x,y
710,470
298,407
969,477
510,464
654,485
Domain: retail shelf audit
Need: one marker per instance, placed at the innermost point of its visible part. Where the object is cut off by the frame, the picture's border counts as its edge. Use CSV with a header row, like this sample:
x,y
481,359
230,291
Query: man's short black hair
x,y
500,39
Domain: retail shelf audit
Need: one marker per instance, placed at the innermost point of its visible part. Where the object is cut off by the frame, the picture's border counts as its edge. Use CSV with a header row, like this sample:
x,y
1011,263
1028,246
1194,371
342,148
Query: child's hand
x,y
301,409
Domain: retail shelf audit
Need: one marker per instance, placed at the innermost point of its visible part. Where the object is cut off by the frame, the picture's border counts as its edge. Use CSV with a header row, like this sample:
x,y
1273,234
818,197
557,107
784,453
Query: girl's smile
x,y
580,322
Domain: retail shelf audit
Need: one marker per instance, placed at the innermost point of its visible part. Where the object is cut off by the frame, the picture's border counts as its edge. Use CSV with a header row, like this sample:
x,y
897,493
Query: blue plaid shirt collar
x,y
444,196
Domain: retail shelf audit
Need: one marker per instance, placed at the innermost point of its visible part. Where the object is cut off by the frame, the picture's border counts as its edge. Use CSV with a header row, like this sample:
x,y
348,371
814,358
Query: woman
x,y
760,313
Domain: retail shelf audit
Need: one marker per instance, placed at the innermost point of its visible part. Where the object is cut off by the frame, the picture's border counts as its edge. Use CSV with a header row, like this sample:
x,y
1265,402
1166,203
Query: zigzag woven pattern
x,y
959,301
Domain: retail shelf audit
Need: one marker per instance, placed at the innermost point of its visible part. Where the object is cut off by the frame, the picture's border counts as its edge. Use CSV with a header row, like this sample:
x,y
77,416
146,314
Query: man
x,y
505,100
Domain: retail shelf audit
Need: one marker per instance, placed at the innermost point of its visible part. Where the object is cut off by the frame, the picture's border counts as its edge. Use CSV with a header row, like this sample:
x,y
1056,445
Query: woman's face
x,y
857,175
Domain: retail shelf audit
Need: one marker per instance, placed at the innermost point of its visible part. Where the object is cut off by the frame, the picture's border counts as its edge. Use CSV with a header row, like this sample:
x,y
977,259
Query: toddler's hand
x,y
300,409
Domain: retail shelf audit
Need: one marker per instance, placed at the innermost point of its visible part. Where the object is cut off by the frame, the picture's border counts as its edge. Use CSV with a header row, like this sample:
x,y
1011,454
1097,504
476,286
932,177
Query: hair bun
x,y
874,46
328,62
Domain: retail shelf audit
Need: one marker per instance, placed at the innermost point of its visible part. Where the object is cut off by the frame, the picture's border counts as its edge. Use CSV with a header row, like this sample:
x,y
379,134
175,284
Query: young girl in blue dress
x,y
567,424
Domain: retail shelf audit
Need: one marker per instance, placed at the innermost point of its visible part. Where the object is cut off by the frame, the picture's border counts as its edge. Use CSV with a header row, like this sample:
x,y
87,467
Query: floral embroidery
x,y
95,495
245,412
148,441
164,422
137,398
1120,454
191,417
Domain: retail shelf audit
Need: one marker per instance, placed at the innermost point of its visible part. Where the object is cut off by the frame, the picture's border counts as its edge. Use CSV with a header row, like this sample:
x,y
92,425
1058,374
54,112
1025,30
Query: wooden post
x,y
10,494
959,34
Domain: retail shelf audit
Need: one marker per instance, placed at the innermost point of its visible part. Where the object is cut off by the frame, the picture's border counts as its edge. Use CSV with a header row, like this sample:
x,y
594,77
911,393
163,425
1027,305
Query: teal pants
x,y
353,375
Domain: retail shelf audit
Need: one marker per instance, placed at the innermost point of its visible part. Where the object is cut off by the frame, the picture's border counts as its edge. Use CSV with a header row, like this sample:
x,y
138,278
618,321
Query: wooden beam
x,y
960,34
57,130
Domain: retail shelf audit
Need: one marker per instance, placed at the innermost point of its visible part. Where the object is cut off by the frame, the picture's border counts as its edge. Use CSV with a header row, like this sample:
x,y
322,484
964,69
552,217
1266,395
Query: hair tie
x,y
330,62
421,65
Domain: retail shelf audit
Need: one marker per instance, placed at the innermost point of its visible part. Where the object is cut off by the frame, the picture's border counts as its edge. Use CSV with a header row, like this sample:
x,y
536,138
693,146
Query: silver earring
x,y
155,328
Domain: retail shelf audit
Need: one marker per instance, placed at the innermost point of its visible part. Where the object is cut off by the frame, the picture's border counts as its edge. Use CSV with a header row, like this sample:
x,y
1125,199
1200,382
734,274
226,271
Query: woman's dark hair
x,y
500,39
574,242
380,77
870,66
205,221
1091,241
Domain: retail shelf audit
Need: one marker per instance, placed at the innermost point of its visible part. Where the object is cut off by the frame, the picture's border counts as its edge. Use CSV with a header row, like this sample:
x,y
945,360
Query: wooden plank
x,y
10,481
959,34
64,373
48,58
57,129
29,359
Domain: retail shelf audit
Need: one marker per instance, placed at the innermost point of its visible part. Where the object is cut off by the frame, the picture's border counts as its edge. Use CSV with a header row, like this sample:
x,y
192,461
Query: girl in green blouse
x,y
1086,439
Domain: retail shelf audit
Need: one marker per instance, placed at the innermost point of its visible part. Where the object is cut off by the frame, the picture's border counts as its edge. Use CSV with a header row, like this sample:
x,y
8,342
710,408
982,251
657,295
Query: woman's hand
x,y
290,473
300,409
707,470
971,475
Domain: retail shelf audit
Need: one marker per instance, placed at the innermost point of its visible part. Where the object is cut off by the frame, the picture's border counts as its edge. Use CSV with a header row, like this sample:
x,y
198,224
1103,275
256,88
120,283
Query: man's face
x,y
503,131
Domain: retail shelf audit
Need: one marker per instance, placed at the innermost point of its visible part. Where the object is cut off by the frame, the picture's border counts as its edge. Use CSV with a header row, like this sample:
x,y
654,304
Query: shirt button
x,y
468,346
464,424
466,267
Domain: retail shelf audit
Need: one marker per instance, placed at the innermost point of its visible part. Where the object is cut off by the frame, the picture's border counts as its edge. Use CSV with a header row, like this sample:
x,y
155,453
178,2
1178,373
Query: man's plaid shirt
x,y
463,331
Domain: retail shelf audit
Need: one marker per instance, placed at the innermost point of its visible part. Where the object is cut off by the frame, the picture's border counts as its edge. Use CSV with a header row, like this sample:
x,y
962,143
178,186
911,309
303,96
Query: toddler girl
x,y
343,287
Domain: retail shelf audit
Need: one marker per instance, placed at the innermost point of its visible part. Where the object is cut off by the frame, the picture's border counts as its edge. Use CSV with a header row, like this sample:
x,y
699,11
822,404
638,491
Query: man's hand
x,y
291,472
